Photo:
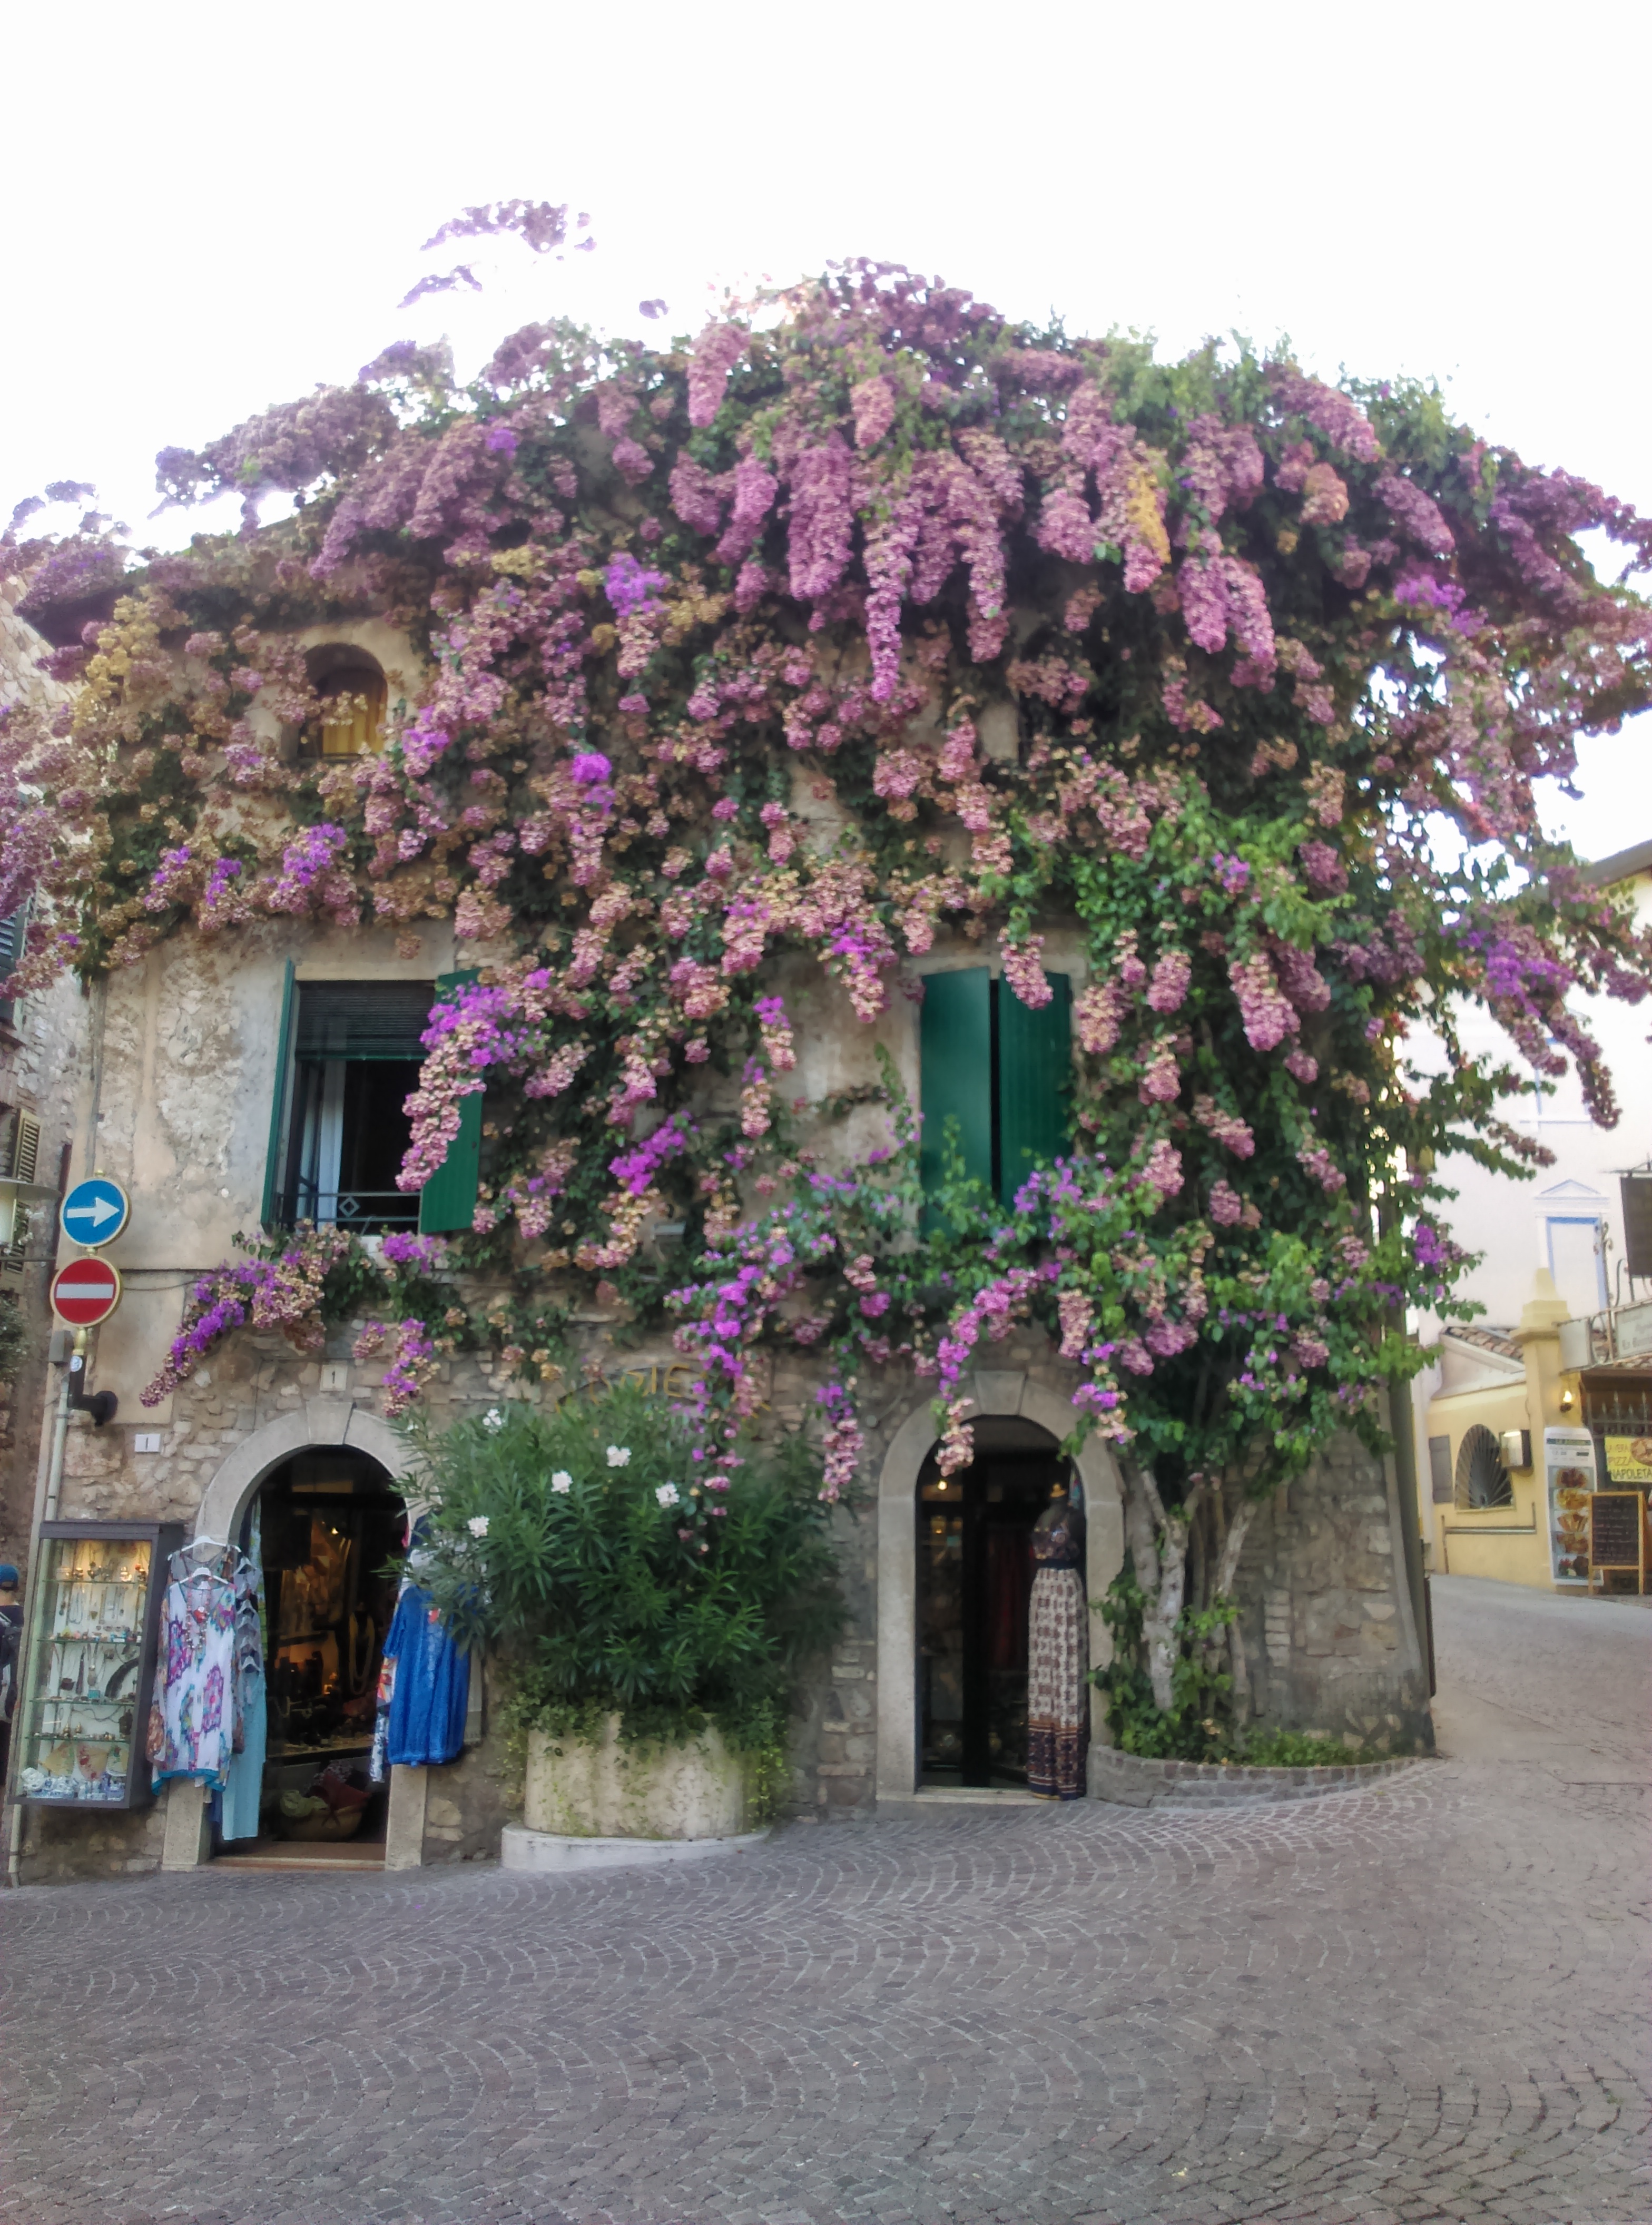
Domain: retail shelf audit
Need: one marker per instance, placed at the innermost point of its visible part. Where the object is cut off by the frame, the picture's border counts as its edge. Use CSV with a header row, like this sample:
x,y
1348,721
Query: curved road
x,y
1426,2001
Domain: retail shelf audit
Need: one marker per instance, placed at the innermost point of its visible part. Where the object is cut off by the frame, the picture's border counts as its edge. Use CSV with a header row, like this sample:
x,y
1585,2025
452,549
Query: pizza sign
x,y
1628,1459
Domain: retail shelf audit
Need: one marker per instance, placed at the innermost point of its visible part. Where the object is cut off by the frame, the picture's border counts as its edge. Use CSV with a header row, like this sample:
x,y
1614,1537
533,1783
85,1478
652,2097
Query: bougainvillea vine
x,y
752,675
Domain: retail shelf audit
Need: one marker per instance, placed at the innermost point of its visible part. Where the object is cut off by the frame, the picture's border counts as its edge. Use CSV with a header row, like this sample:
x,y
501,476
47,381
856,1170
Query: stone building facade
x,y
166,1075
1331,1639
176,1086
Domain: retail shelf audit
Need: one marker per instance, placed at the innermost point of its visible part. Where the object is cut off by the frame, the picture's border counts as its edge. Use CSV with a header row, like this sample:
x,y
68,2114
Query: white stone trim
x,y
1001,1391
544,1853
185,1838
404,1826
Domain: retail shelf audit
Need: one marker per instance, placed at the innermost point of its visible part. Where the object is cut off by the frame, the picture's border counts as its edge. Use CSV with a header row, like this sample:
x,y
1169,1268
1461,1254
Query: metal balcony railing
x,y
347,1208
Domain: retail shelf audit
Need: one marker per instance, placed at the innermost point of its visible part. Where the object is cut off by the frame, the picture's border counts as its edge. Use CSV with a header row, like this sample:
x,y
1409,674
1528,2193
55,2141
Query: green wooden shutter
x,y
954,1054
1034,1083
448,1202
13,937
278,1105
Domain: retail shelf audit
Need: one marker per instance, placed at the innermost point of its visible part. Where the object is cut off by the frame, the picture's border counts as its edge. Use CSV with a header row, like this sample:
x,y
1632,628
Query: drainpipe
x,y
46,1510
1403,1428
60,1429
1404,1468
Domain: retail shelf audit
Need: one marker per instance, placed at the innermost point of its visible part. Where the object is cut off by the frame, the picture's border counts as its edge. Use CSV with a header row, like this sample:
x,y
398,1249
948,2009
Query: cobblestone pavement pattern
x,y
1425,2001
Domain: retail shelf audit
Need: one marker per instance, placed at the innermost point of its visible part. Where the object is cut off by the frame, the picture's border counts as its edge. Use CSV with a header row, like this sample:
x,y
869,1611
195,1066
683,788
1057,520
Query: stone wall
x,y
1330,1642
255,1379
835,1751
59,1845
41,1072
468,1803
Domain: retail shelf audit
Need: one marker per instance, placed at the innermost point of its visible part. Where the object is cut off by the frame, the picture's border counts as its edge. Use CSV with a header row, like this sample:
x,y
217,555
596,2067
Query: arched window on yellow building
x,y
351,719
1481,1479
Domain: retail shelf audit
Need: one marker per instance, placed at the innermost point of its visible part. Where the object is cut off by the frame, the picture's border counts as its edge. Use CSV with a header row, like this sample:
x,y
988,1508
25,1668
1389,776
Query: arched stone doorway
x,y
320,1427
320,1423
327,1524
997,1392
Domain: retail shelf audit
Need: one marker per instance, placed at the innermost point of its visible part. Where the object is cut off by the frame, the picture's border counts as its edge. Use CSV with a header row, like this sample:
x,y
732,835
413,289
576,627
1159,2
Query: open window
x,y
350,1058
351,721
1576,1261
1002,1072
20,1164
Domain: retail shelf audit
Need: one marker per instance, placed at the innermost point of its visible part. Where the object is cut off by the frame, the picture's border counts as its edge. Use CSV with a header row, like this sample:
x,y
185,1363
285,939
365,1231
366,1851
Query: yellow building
x,y
1517,1443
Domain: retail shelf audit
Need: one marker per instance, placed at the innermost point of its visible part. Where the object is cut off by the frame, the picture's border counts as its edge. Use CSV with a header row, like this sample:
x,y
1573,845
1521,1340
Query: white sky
x,y
212,208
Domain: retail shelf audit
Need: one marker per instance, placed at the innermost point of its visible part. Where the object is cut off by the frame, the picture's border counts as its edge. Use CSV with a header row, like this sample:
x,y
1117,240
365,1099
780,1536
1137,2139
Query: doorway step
x,y
959,1796
297,1855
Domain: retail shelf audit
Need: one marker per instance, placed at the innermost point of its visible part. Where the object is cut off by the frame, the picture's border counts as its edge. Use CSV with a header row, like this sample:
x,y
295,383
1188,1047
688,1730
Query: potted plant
x,y
648,1627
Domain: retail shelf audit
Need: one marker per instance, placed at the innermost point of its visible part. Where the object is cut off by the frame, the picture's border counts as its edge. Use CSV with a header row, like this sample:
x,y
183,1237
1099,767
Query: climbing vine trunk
x,y
1159,1539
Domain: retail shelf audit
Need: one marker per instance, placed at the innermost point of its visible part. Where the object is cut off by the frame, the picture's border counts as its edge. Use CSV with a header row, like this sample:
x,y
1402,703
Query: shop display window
x,y
89,1663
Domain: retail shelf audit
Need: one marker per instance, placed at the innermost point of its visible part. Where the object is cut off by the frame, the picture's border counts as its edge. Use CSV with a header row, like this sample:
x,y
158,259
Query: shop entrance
x,y
324,1525
974,1580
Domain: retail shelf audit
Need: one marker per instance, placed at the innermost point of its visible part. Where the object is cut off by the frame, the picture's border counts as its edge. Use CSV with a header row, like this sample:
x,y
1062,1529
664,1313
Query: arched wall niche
x,y
997,1391
319,1422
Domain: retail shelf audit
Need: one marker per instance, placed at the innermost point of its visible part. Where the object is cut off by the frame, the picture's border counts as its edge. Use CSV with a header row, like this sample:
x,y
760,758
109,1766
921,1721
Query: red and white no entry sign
x,y
86,1292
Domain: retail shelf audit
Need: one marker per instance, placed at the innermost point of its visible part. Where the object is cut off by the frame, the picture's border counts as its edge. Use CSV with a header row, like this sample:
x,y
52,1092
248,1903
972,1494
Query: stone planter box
x,y
1129,1781
599,1789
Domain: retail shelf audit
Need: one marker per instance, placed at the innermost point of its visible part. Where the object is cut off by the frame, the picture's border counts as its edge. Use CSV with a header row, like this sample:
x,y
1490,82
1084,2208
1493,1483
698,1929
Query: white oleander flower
x,y
562,1480
668,1495
492,1419
619,1455
477,1525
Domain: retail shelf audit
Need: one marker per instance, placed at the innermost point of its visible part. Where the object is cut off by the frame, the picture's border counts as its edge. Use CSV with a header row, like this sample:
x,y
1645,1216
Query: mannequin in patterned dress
x,y
1057,1697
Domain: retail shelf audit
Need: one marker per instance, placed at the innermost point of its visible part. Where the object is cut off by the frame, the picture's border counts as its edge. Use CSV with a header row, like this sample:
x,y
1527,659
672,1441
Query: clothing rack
x,y
208,1556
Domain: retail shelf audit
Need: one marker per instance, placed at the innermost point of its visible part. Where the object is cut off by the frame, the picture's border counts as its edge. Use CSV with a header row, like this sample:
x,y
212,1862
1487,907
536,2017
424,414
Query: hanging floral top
x,y
191,1719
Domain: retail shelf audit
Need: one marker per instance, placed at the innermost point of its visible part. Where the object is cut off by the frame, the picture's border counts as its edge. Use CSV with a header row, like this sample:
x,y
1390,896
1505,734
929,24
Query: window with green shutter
x,y
1002,1072
273,1199
448,1202
1033,1065
348,1058
954,1054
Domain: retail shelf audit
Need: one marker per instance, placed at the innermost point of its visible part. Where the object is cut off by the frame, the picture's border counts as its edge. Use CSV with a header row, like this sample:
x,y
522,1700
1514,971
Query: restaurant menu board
x,y
1615,1531
1628,1459
1569,1459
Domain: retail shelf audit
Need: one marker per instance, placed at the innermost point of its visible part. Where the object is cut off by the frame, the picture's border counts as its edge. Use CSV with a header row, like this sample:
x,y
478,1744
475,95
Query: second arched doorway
x,y
974,1577
998,1392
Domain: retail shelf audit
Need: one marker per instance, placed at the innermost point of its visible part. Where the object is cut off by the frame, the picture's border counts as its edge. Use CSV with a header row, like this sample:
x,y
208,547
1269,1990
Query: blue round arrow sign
x,y
95,1212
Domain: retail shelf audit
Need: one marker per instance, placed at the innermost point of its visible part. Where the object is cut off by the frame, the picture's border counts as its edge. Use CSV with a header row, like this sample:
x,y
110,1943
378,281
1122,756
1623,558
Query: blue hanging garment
x,y
243,1794
430,1686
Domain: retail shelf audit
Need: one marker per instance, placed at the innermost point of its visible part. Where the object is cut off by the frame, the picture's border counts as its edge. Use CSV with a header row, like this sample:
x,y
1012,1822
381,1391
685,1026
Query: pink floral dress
x,y
191,1719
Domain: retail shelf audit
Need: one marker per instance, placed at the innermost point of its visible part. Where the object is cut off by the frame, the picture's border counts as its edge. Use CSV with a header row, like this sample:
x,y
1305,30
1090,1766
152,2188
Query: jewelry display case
x,y
90,1663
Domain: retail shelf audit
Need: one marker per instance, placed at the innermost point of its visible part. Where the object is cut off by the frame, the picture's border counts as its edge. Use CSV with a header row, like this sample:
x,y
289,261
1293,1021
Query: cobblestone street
x,y
1425,2001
